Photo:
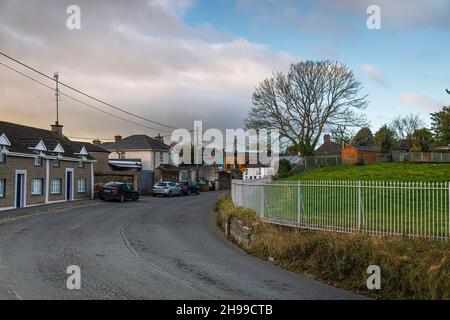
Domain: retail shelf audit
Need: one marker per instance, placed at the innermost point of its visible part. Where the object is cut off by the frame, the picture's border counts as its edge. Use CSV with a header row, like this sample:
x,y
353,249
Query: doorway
x,y
69,184
20,200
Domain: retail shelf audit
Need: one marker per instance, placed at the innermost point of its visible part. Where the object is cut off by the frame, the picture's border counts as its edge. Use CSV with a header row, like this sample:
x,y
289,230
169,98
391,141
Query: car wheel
x,y
122,198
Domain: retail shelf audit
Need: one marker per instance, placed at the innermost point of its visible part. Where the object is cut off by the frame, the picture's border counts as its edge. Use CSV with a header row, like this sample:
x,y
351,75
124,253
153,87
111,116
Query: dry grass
x,y
410,269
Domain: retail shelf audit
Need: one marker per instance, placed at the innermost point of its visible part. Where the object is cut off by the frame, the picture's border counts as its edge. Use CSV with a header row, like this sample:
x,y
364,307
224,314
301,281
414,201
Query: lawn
x,y
424,172
401,199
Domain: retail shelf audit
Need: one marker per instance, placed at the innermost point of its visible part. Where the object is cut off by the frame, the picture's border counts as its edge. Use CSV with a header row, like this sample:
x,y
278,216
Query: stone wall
x,y
236,231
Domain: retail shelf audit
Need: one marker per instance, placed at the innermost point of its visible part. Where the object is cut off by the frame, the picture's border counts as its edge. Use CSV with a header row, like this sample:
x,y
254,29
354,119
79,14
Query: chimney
x,y
159,138
57,128
96,142
117,138
326,138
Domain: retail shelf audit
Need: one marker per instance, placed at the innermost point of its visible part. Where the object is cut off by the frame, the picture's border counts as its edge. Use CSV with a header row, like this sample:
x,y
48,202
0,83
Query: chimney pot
x,y
97,142
327,138
159,138
117,138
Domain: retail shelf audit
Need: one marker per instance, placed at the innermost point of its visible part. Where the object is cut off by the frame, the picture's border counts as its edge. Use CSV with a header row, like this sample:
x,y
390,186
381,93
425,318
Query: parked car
x,y
188,188
166,188
118,191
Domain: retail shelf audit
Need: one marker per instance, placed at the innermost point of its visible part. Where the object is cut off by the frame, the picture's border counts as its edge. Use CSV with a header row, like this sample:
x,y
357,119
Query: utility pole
x,y
56,77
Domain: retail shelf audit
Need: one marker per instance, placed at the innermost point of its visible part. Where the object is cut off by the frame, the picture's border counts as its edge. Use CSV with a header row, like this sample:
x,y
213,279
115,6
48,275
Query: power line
x,y
87,95
80,101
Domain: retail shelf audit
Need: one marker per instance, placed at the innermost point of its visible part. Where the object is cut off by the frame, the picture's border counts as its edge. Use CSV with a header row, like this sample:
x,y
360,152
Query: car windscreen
x,y
112,185
161,184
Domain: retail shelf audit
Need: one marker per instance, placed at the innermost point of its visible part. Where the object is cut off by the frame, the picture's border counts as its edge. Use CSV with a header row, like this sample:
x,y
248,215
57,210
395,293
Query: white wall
x,y
257,173
149,161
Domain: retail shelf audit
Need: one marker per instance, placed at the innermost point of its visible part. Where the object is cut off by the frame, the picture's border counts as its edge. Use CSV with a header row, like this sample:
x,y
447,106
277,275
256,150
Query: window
x,y
81,164
56,186
36,187
56,162
2,188
37,161
161,157
81,185
2,157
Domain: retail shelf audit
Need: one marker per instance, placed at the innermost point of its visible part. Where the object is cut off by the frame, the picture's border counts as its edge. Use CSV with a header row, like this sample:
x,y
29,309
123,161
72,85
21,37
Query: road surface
x,y
157,248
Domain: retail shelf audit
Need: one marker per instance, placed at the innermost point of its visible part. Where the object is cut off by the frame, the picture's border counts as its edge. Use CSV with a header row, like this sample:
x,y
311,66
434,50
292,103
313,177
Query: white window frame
x,y
2,188
38,162
57,163
41,187
52,185
81,185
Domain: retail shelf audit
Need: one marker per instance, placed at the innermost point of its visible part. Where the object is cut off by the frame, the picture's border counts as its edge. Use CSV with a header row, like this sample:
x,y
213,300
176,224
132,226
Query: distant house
x,y
39,167
139,151
328,148
400,147
360,154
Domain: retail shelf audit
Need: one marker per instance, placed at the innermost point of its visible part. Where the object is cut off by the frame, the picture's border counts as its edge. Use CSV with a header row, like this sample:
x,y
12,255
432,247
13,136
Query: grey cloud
x,y
137,54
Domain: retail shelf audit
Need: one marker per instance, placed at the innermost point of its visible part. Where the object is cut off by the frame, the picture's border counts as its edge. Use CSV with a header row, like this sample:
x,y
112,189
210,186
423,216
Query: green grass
x,y
429,172
411,268
328,198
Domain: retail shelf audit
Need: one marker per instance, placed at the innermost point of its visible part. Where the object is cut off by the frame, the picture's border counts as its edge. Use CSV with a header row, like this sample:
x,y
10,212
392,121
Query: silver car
x,y
167,188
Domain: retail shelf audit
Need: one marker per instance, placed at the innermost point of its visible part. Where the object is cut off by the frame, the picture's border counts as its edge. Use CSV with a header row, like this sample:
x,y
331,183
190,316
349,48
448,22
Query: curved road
x,y
156,248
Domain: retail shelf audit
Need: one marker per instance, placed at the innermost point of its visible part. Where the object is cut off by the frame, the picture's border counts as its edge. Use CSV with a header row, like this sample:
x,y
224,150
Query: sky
x,y
177,61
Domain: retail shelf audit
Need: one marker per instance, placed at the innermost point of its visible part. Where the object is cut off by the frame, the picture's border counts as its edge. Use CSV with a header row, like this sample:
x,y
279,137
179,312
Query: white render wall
x,y
150,159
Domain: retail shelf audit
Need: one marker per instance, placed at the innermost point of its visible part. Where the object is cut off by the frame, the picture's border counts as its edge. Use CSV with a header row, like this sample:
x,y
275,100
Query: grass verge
x,y
410,268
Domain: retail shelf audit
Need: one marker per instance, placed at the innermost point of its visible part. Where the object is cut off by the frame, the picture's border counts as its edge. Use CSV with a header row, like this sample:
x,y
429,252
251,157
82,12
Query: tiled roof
x,y
365,148
90,147
136,142
23,138
328,149
403,144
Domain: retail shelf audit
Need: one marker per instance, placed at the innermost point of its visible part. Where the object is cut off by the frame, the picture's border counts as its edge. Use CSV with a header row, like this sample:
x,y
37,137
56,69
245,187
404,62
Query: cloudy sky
x,y
176,61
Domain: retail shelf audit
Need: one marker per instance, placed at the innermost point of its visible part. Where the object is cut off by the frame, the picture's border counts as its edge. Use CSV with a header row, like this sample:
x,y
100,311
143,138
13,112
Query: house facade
x,y
141,152
39,167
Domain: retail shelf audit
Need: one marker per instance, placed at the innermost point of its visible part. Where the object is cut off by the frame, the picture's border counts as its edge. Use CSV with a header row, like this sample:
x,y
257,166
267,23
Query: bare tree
x,y
404,127
341,134
301,103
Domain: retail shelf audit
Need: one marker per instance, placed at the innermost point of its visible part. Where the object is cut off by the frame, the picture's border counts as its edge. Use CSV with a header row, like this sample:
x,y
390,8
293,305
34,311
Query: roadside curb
x,y
15,214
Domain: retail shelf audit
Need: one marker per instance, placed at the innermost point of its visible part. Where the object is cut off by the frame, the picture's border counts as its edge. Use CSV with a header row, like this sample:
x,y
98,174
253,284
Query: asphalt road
x,y
157,248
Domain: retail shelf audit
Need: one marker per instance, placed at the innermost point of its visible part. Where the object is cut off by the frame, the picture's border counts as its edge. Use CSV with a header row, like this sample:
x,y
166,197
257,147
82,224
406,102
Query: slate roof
x,y
403,144
365,148
136,142
90,147
23,138
328,149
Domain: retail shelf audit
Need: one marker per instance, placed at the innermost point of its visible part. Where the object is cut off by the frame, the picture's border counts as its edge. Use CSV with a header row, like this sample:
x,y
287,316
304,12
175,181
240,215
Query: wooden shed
x,y
360,154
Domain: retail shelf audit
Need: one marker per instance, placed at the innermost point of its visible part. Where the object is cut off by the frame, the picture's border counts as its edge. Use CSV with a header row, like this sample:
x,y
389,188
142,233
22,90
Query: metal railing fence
x,y
412,209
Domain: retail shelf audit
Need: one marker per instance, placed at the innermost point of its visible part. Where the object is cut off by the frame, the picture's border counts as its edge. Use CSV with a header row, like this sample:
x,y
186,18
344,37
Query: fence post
x,y
359,205
448,235
262,200
298,202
